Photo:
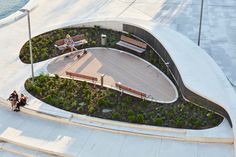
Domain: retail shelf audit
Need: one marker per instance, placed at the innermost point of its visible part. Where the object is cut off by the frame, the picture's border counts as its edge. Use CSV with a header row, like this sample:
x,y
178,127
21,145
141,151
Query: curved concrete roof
x,y
198,70
54,14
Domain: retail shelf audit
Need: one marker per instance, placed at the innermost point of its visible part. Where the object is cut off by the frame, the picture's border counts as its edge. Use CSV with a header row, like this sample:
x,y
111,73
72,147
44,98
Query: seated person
x,y
22,102
70,43
13,98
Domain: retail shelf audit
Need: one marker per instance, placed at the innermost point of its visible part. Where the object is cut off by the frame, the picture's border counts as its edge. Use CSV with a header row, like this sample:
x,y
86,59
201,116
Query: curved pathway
x,y
119,67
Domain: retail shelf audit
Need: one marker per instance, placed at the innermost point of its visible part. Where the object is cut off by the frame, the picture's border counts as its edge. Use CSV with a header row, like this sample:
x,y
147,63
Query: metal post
x,y
30,43
168,68
102,79
200,25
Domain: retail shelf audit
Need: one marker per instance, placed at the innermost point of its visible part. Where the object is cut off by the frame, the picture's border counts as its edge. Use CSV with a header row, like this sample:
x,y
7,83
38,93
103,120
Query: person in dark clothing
x,y
13,98
22,102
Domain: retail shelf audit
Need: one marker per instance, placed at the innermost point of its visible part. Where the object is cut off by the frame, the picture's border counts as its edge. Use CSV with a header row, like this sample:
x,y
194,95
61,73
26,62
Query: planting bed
x,y
84,98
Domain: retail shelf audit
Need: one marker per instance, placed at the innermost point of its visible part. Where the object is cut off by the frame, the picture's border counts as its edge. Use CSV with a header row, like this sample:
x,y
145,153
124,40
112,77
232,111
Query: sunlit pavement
x,y
218,38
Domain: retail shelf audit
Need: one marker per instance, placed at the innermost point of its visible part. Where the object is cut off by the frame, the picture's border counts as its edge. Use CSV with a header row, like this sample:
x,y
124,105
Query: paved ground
x,y
218,28
85,142
181,15
119,67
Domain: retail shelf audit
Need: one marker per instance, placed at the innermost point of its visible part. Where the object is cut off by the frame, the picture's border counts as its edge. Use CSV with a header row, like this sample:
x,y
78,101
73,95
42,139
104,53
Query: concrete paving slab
x,y
8,154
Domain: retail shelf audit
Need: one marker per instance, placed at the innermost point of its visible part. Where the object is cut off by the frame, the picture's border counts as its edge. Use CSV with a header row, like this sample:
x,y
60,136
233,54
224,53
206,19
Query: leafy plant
x,y
158,121
132,118
140,118
116,116
130,112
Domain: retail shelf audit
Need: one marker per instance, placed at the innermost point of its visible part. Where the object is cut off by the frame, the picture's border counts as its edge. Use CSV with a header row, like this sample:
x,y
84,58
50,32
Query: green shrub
x,y
33,88
48,99
102,102
44,56
158,121
116,116
132,118
144,103
130,112
140,118
197,123
179,122
79,109
210,115
73,104
128,100
84,85
88,99
129,34
93,43
91,109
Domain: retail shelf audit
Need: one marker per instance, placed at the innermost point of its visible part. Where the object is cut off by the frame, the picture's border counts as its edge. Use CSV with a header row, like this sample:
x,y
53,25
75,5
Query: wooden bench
x,y
78,40
91,78
132,44
122,87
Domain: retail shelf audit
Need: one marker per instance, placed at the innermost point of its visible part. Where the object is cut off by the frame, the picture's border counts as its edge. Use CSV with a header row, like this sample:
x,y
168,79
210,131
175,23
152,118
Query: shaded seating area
x,y
78,40
132,44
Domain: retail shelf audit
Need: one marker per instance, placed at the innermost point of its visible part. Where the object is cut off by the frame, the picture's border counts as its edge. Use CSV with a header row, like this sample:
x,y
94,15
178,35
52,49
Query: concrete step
x,y
219,134
8,154
13,150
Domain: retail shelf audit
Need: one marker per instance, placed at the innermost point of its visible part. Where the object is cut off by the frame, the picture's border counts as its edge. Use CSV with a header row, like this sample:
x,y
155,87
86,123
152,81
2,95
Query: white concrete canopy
x,y
182,16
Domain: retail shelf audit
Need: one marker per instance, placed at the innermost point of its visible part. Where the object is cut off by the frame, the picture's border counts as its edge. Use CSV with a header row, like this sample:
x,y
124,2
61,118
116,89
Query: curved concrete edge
x,y
29,145
187,135
129,93
89,22
150,27
31,5
225,83
21,151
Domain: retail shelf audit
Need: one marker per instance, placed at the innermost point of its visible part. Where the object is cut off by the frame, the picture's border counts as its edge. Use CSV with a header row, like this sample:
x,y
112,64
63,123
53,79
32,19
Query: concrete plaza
x,y
46,137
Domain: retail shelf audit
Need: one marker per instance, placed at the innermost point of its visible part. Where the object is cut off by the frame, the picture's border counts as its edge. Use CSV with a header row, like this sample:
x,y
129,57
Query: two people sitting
x,y
16,103
68,42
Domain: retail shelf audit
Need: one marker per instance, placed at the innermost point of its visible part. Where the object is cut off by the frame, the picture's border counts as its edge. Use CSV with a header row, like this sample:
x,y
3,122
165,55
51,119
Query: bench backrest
x,y
78,37
75,38
59,42
71,74
141,94
133,41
